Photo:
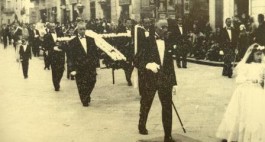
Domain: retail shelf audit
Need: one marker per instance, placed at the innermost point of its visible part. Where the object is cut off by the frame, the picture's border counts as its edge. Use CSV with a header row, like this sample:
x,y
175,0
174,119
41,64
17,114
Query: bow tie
x,y
228,28
80,37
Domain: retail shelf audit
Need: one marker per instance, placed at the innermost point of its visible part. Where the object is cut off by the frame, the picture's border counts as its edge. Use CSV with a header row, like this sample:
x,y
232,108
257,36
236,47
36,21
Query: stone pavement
x,y
31,111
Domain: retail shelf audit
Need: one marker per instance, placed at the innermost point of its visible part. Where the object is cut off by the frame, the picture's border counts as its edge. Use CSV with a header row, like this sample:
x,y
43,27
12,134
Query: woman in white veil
x,y
244,119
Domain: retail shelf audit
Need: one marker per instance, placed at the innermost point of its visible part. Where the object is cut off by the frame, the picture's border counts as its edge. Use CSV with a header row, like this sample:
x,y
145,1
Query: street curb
x,y
205,62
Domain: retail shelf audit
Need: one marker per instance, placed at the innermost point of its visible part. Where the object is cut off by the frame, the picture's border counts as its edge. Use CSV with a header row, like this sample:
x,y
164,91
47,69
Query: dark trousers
x,y
5,41
85,87
36,50
227,69
25,67
47,61
181,59
165,97
128,69
228,59
57,74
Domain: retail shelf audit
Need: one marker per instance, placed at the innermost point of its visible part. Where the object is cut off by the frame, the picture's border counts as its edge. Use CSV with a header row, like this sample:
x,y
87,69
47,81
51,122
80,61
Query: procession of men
x,y
148,65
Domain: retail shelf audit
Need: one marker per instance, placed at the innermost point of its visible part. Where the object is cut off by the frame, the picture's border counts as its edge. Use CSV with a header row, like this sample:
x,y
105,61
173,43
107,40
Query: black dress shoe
x,y
85,104
224,140
169,139
130,83
57,89
143,131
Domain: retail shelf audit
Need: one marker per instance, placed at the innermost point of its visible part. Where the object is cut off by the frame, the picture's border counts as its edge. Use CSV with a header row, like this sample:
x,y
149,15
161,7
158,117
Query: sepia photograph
x,y
132,71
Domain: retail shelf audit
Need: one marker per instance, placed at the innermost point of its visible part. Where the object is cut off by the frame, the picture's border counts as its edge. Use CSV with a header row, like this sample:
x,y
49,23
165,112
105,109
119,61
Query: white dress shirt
x,y
54,36
83,42
180,29
24,47
161,50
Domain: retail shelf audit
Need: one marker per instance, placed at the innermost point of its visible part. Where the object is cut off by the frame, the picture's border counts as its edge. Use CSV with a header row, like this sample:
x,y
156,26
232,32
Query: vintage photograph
x,y
132,71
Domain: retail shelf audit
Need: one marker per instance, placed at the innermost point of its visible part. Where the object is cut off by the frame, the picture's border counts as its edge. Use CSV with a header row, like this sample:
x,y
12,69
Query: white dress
x,y
244,119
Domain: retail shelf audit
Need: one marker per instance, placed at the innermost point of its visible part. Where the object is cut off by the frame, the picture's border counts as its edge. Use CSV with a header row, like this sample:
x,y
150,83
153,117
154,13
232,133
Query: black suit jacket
x,y
142,43
32,38
260,34
25,54
83,63
57,58
166,76
225,40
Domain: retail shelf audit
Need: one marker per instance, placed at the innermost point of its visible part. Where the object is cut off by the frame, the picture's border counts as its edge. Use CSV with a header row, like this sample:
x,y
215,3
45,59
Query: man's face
x,y
52,28
146,23
228,22
180,22
81,29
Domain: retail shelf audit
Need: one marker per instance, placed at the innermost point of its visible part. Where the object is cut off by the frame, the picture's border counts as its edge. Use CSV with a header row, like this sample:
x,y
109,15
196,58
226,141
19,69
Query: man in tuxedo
x,y
158,69
5,35
229,40
25,55
56,55
34,40
140,36
84,58
259,33
180,40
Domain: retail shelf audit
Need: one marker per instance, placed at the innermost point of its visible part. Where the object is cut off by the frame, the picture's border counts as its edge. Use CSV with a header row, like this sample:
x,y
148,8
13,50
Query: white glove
x,y
73,73
153,67
174,89
56,48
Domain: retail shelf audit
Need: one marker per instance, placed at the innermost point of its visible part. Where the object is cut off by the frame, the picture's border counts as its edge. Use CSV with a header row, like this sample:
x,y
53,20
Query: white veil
x,y
246,56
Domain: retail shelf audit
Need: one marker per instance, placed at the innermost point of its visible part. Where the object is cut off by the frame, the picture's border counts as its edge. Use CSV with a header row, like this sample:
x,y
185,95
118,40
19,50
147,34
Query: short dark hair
x,y
261,17
227,19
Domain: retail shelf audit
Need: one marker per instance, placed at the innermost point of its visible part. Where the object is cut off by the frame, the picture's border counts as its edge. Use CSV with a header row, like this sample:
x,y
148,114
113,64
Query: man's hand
x,y
56,48
153,67
174,89
73,73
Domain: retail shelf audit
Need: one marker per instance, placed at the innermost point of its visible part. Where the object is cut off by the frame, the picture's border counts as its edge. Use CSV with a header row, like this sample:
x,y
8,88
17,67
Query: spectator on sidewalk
x,y
259,35
229,40
243,42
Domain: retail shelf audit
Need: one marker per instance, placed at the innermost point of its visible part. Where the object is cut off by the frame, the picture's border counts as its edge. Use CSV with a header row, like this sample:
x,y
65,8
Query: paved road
x,y
31,111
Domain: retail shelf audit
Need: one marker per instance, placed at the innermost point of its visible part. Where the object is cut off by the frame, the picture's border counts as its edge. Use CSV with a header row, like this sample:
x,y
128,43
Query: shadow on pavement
x,y
177,138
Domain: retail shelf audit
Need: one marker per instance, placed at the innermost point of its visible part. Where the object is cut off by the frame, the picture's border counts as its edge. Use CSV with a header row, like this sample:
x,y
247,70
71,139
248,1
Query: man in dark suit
x,y
229,40
25,55
180,38
34,40
84,59
56,55
259,33
140,43
5,35
158,69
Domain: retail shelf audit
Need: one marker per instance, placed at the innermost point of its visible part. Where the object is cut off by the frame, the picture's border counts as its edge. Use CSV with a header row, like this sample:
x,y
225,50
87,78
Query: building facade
x,y
64,11
15,10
